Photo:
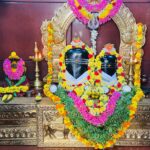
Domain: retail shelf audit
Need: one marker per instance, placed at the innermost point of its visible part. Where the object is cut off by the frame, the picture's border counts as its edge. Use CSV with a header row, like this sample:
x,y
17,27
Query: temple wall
x,y
20,22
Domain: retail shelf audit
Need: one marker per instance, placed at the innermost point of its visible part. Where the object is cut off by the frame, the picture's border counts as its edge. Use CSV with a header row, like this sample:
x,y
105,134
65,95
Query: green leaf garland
x,y
93,133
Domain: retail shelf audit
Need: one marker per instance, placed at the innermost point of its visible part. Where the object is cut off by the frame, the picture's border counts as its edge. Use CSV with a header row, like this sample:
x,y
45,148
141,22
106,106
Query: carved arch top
x,y
64,17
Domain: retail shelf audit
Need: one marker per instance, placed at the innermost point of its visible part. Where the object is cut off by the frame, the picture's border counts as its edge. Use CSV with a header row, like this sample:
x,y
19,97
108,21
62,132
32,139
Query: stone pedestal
x,y
26,122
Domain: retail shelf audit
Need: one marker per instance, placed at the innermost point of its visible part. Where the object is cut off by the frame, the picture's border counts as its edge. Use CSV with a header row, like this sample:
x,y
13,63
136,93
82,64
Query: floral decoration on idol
x,y
14,69
64,82
110,50
98,121
11,72
96,112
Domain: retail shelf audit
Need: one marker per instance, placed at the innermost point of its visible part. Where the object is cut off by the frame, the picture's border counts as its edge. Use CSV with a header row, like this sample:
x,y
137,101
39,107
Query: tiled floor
x,y
36,148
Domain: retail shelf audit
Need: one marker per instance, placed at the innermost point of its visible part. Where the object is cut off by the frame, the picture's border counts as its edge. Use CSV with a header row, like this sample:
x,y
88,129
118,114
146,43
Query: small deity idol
x,y
109,65
14,69
112,69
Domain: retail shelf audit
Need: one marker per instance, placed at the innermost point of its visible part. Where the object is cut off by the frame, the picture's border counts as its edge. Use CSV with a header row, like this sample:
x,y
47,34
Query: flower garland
x,y
95,120
139,53
11,73
50,43
96,136
75,122
62,108
62,74
88,134
110,50
14,74
96,77
83,9
14,89
93,7
98,105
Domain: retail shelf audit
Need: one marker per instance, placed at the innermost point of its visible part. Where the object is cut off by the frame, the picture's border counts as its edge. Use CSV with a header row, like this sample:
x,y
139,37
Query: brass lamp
x,y
37,58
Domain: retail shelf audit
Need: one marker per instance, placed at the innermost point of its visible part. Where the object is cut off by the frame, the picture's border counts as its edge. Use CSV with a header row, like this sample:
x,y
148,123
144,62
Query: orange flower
x,y
121,133
132,108
109,46
126,124
59,106
57,99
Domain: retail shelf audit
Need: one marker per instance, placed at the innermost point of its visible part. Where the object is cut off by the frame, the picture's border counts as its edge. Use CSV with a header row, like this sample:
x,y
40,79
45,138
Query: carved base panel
x,y
52,132
18,122
25,122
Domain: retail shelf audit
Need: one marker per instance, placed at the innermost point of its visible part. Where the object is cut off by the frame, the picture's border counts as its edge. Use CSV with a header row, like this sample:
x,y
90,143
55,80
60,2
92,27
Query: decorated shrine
x,y
83,82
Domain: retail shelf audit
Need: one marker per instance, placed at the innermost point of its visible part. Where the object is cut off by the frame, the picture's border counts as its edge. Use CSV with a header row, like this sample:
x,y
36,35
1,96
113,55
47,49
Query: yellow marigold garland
x,y
50,43
139,53
14,89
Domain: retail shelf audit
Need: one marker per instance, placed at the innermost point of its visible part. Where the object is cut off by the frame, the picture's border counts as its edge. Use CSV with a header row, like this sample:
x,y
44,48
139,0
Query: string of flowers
x,y
139,53
110,50
104,15
14,89
65,108
50,43
10,72
95,120
96,77
96,99
91,135
93,7
99,137
62,108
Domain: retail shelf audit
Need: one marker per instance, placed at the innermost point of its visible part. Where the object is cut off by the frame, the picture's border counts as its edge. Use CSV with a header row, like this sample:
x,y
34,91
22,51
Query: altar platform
x,y
26,122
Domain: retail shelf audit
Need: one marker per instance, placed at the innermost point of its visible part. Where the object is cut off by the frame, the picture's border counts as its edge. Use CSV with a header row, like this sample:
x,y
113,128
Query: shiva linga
x,y
109,64
37,58
76,62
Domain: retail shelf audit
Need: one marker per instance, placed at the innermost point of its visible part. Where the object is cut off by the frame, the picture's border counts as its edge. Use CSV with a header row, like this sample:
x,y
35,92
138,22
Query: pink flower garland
x,y
8,69
113,12
95,120
93,7
77,13
85,20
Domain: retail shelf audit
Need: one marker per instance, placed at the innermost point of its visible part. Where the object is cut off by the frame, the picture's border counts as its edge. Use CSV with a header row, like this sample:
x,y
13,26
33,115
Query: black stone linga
x,y
76,61
109,64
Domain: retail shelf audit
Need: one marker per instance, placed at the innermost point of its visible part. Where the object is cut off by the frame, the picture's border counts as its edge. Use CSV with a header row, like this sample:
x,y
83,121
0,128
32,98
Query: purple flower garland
x,y
8,69
95,120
